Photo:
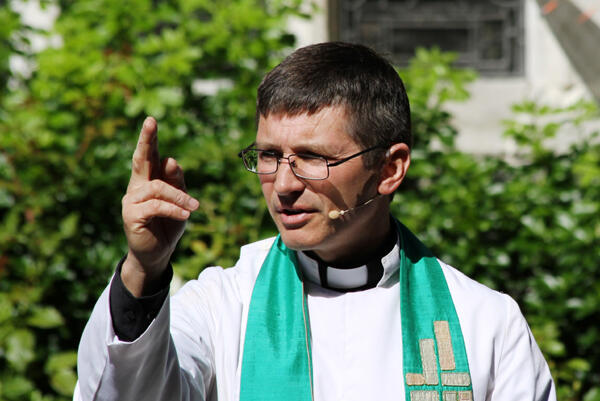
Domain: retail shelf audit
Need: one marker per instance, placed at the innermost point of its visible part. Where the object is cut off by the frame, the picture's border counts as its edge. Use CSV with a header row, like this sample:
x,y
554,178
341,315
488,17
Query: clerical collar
x,y
355,278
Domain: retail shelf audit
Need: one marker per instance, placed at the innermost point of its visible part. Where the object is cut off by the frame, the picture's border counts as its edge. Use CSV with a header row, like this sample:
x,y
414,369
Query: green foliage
x,y
527,227
9,24
66,139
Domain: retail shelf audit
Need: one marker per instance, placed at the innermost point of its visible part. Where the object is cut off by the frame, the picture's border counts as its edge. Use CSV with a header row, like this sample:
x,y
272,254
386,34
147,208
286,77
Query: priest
x,y
344,304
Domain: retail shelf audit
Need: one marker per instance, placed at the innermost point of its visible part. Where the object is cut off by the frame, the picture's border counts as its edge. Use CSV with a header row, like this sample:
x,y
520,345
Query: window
x,y
487,34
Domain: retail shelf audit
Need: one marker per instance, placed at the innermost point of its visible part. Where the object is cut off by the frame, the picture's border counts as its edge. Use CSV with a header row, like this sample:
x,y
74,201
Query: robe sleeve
x,y
149,367
132,315
522,372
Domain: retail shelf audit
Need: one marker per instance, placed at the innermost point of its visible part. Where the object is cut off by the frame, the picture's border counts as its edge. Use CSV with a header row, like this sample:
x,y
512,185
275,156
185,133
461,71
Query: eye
x,y
314,159
311,155
269,154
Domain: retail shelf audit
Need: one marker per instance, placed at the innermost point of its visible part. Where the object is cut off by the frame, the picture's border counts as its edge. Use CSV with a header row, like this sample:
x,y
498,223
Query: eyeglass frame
x,y
327,162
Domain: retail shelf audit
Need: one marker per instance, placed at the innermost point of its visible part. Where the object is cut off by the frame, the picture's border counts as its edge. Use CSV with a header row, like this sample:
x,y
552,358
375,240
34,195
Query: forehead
x,y
325,129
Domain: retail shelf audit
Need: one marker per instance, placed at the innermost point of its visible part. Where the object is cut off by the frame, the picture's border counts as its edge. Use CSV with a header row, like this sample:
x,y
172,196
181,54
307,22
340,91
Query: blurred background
x,y
504,183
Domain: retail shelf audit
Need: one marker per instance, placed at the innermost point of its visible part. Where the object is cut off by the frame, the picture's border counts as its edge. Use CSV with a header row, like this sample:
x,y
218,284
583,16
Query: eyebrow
x,y
316,148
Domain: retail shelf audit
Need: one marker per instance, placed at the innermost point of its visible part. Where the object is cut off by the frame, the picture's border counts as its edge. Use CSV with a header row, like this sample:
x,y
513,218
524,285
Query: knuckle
x,y
165,209
136,163
180,198
149,209
156,188
154,205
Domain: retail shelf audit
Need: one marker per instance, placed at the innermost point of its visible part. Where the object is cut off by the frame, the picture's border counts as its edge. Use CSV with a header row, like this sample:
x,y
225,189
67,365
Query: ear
x,y
394,168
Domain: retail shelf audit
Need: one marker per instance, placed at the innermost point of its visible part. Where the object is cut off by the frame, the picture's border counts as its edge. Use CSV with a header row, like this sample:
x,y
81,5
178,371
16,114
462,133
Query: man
x,y
344,304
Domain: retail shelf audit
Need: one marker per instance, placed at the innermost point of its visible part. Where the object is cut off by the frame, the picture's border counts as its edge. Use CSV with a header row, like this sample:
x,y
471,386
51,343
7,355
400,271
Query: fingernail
x,y
147,122
185,214
193,204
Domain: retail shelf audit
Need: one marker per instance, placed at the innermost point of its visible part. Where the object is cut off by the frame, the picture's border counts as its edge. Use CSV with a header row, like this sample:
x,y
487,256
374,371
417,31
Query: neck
x,y
363,249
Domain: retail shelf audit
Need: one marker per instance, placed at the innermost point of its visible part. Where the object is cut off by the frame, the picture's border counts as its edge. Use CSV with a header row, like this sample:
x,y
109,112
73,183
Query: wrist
x,y
142,279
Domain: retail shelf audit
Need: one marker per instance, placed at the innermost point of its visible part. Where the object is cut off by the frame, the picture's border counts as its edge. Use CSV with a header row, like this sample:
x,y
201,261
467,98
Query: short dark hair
x,y
341,74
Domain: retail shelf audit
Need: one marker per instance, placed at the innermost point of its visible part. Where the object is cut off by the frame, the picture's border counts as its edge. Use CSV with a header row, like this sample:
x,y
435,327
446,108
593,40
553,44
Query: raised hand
x,y
155,209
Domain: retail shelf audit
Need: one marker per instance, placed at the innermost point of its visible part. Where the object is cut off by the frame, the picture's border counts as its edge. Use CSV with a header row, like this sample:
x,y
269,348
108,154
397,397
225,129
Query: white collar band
x,y
357,278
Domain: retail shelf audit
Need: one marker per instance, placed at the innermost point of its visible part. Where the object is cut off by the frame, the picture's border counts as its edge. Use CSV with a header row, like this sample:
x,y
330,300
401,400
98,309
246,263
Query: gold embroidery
x,y
415,379
450,396
424,396
444,343
429,361
456,379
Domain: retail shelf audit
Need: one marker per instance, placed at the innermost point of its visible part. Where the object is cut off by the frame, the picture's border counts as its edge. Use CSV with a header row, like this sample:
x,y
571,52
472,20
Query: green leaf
x,y
6,308
68,226
63,382
579,364
61,361
45,318
61,369
16,388
20,346
592,395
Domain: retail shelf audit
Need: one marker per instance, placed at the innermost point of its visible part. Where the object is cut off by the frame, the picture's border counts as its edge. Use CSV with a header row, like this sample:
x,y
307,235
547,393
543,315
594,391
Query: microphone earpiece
x,y
335,214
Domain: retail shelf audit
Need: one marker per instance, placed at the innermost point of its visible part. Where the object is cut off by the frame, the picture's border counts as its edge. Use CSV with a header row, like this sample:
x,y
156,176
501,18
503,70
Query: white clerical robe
x,y
193,349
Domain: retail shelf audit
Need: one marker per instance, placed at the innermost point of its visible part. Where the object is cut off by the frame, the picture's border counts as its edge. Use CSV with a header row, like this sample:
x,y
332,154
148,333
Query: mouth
x,y
293,211
294,217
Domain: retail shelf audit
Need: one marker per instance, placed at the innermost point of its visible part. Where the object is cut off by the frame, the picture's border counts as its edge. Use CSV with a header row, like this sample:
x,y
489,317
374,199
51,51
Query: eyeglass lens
x,y
265,162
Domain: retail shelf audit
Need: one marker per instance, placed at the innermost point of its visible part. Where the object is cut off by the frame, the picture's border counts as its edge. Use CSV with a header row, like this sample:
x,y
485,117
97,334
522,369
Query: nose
x,y
286,181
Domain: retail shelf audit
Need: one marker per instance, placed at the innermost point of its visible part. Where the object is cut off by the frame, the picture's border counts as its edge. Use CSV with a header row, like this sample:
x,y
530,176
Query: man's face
x,y
300,207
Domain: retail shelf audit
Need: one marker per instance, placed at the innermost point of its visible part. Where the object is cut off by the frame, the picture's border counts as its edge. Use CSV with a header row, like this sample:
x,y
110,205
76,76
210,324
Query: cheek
x,y
342,188
266,185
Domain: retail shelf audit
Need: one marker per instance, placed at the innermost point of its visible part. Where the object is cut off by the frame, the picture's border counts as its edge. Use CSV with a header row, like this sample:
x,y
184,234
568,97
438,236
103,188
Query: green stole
x,y
277,365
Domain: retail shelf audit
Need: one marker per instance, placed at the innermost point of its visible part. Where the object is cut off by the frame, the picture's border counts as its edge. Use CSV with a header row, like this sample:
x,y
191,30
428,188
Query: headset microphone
x,y
336,214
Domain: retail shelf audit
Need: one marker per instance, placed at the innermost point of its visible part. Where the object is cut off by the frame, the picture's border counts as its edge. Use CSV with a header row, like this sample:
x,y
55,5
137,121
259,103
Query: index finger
x,y
145,163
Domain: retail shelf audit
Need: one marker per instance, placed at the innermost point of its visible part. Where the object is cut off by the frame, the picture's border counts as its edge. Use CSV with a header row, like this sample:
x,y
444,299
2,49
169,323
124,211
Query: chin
x,y
299,241
302,239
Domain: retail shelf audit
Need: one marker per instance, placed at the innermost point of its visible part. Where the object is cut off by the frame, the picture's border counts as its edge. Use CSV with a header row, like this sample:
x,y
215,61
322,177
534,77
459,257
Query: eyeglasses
x,y
307,166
